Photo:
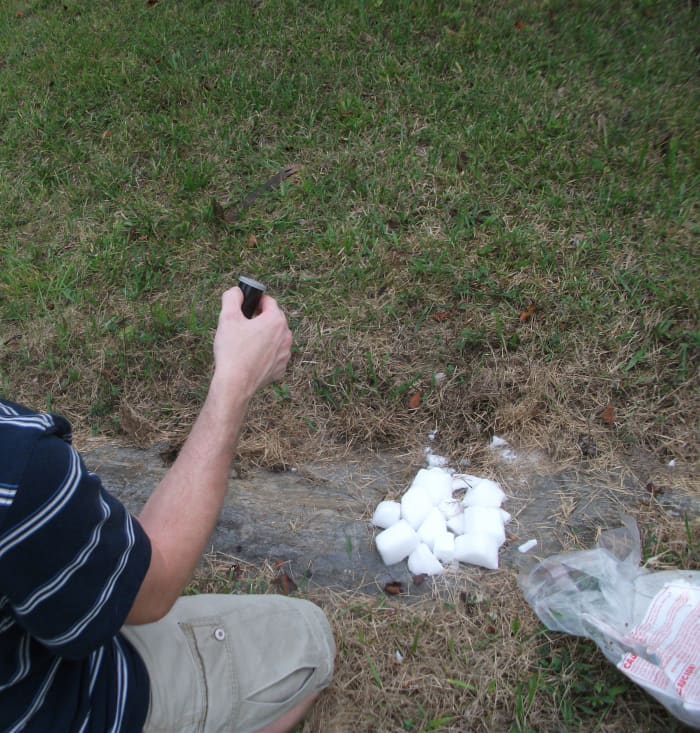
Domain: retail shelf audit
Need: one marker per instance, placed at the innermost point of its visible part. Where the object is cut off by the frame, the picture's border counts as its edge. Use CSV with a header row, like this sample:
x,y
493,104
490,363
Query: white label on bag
x,y
670,632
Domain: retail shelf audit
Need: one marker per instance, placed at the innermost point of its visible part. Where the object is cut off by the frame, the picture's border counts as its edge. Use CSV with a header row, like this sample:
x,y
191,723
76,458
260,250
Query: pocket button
x,y
219,634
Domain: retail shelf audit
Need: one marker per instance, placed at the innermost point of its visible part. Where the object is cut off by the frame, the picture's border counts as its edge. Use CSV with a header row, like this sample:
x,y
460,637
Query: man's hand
x,y
250,353
180,515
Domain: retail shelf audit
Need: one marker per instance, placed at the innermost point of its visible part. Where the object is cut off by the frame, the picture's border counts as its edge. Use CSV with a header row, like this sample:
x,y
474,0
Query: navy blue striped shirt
x,y
71,562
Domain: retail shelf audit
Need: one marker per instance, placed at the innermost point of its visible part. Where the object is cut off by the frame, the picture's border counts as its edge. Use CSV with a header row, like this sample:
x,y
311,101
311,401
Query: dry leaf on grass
x,y
608,414
285,584
393,588
414,401
442,316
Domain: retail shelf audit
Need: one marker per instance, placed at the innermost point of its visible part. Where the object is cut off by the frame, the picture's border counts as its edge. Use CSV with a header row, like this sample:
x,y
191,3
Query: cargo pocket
x,y
284,689
210,645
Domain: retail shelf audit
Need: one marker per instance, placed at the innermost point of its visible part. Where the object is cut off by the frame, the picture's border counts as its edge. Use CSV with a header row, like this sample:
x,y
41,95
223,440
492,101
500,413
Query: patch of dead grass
x,y
473,657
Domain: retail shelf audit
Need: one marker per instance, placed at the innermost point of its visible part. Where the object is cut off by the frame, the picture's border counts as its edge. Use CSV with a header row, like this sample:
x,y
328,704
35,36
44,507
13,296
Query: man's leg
x,y
244,664
288,720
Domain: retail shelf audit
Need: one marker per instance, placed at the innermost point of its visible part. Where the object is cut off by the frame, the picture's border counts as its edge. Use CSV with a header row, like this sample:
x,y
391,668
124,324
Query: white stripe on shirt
x,y
76,630
38,698
122,686
46,513
55,584
24,665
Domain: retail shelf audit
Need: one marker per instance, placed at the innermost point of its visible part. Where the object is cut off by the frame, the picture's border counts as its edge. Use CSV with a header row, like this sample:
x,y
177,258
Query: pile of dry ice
x,y
433,525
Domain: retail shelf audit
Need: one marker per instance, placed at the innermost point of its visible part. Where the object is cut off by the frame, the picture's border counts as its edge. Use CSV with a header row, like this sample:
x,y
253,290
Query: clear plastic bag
x,y
646,623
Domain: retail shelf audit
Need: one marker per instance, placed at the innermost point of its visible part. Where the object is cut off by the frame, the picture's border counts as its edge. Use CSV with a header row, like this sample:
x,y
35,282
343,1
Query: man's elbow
x,y
156,596
147,613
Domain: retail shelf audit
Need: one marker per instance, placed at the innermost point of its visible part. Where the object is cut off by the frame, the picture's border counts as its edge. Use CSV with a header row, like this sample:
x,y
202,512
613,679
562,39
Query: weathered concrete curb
x,y
316,518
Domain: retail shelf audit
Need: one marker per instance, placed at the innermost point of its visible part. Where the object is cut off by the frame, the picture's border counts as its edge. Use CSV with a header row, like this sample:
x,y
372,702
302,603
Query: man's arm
x,y
180,515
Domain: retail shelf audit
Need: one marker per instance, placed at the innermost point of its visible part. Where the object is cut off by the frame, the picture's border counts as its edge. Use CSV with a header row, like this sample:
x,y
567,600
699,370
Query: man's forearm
x,y
180,515
182,512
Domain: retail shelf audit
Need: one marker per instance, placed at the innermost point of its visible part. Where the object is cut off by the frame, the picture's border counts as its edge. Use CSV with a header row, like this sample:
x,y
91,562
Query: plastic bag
x,y
646,623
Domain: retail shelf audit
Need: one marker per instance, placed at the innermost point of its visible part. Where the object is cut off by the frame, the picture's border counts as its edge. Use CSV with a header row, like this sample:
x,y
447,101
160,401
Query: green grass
x,y
467,159
462,162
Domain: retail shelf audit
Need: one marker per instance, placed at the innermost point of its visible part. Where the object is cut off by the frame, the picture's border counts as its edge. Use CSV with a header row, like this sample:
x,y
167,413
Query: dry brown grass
x,y
473,658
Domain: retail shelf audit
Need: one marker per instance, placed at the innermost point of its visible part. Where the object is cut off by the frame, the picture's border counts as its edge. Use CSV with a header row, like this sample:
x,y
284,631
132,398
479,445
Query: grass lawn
x,y
493,229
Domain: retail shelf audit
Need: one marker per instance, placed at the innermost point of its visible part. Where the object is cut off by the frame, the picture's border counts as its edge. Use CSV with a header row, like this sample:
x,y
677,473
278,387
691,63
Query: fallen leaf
x,y
414,401
442,316
528,312
520,24
19,14
419,579
105,134
608,414
285,584
252,240
653,489
393,588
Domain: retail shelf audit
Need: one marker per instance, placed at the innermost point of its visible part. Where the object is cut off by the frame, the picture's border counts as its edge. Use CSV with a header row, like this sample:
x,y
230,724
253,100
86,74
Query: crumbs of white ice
x,y
527,546
502,447
435,461
431,526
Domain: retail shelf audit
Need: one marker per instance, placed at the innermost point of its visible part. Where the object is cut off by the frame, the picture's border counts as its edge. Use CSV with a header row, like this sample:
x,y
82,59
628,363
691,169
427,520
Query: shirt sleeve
x,y
72,558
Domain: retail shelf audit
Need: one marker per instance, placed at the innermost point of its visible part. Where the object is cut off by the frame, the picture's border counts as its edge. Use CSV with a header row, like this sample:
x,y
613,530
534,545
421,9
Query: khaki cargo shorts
x,y
232,664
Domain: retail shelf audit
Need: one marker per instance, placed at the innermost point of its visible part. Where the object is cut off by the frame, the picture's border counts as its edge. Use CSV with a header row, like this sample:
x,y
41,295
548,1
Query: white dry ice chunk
x,y
477,549
527,546
444,547
484,492
484,520
497,443
422,561
436,481
459,481
386,514
456,524
416,504
396,543
505,517
469,479
432,526
450,508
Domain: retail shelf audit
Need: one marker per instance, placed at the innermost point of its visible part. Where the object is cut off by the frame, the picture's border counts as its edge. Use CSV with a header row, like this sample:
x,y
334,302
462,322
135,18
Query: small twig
x,y
232,214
